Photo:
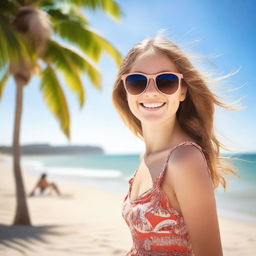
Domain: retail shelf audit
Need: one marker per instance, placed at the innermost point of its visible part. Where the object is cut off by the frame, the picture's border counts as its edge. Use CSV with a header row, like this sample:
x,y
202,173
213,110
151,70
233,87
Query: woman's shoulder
x,y
187,156
186,150
187,169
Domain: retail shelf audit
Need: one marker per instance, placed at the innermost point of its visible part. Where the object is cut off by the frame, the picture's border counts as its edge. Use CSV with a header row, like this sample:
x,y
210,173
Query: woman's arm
x,y
188,174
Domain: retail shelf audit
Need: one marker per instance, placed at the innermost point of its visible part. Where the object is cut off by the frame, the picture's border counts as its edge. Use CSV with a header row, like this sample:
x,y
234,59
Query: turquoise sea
x,y
112,171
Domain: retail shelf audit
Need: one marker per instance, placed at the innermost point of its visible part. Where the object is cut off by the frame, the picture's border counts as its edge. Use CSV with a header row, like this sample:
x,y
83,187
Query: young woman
x,y
170,207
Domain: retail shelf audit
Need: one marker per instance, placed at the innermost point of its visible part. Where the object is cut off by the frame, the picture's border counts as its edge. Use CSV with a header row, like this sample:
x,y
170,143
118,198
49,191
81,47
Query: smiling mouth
x,y
153,106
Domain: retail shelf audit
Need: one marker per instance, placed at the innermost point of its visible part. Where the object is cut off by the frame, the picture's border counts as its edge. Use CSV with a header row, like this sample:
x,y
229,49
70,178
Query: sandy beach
x,y
85,221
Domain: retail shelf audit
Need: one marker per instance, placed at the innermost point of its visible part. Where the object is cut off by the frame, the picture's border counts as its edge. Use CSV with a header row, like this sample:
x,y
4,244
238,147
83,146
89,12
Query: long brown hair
x,y
195,114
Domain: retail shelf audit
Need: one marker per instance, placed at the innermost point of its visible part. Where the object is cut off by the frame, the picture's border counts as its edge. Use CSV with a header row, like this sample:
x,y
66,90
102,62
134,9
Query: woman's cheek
x,y
133,107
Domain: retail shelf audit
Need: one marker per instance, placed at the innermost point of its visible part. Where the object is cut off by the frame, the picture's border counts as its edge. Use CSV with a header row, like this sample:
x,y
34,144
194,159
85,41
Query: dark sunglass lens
x,y
135,84
167,83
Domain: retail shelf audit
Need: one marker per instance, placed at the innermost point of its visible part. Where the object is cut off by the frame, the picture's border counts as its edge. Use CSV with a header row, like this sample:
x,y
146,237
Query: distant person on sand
x,y
43,183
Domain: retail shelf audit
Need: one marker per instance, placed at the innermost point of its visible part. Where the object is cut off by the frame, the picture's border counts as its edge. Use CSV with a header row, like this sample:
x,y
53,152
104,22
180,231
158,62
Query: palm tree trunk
x,y
21,213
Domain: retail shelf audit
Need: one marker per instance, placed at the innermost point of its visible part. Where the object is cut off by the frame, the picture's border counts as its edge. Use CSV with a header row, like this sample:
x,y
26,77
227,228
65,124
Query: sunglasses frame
x,y
149,76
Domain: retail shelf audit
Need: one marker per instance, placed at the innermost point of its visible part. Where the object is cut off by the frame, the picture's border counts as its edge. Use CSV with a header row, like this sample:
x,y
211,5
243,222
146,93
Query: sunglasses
x,y
165,82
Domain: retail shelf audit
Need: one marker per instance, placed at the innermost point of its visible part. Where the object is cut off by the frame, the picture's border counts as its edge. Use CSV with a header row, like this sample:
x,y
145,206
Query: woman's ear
x,y
183,93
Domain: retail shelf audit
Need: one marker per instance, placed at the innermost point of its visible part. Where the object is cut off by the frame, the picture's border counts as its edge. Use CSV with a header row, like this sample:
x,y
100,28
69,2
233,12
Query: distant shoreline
x,y
46,149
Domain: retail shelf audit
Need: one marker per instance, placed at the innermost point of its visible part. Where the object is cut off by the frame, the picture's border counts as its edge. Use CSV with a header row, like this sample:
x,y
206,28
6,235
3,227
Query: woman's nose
x,y
151,88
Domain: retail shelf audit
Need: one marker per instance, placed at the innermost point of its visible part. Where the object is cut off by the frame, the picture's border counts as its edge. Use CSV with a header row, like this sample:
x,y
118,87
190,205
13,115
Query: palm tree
x,y
27,48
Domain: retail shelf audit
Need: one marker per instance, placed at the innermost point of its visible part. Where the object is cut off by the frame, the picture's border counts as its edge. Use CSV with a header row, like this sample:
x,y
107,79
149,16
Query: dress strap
x,y
132,179
161,175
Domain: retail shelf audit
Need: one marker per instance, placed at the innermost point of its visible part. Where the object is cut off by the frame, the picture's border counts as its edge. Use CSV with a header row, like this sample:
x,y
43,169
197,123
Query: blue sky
x,y
223,31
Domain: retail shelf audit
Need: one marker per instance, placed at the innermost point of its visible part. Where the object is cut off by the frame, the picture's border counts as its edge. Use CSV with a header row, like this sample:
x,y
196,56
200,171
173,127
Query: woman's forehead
x,y
152,62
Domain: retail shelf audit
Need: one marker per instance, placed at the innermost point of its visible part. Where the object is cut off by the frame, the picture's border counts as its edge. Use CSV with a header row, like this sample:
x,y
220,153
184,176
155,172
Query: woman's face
x,y
151,62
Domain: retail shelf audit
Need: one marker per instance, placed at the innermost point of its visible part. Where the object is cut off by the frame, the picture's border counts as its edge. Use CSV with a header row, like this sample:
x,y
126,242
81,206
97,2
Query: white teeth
x,y
152,105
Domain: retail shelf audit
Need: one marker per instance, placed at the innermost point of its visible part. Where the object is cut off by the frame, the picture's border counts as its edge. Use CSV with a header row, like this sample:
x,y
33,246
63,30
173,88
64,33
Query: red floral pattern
x,y
156,227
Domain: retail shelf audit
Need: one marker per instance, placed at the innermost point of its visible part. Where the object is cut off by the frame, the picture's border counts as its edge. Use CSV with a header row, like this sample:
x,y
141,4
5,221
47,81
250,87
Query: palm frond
x,y
110,7
86,39
12,45
75,84
3,82
46,3
73,15
71,64
75,33
78,15
3,49
107,46
55,98
8,9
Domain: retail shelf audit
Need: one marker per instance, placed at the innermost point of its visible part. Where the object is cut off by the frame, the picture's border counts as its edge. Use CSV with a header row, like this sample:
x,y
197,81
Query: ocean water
x,y
112,171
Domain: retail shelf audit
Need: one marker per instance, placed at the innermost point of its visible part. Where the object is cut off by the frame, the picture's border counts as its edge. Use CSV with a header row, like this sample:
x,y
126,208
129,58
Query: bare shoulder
x,y
188,175
187,155
187,168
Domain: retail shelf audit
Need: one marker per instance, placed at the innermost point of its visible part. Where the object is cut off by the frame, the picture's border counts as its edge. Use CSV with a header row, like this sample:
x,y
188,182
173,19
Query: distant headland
x,y
46,149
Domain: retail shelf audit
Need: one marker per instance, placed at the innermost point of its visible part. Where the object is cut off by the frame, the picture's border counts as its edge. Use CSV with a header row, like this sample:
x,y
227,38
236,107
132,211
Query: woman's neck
x,y
161,137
